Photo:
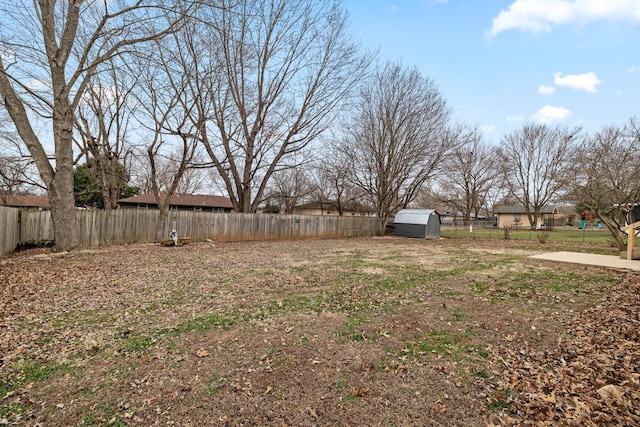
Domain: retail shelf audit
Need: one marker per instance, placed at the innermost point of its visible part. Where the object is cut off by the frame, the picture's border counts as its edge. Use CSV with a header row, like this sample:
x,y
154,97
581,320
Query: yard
x,y
594,235
363,331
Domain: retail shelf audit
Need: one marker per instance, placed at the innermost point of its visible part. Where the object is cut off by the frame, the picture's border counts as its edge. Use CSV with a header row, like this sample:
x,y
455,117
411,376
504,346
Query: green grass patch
x,y
136,342
84,392
25,371
502,400
457,314
350,328
539,284
102,415
482,373
588,236
442,342
86,318
303,341
214,384
30,370
17,409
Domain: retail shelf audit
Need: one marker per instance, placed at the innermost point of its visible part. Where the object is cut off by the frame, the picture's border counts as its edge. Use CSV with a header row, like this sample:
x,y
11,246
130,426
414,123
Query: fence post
x,y
19,231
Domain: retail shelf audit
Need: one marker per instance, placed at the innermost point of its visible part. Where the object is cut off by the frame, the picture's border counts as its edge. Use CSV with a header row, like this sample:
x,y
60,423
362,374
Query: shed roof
x,y
415,216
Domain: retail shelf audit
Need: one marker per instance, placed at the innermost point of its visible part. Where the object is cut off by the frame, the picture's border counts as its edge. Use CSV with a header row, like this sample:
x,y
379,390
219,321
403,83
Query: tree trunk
x,y
163,214
60,188
617,235
383,217
63,211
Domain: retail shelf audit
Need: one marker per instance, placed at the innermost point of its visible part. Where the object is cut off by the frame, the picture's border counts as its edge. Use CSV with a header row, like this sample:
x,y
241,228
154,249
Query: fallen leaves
x,y
312,412
202,353
591,378
361,391
612,395
440,409
248,335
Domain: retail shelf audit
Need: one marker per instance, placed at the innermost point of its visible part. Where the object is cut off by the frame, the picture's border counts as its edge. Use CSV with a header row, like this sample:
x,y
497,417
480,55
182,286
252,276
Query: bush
x,y
543,236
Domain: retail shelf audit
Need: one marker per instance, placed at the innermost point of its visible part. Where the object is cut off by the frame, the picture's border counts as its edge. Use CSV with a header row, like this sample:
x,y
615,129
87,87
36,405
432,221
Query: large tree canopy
x,y
271,77
397,137
469,175
535,160
49,50
606,175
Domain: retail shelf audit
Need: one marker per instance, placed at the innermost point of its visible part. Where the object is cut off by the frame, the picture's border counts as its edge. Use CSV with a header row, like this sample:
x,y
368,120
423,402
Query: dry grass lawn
x,y
368,331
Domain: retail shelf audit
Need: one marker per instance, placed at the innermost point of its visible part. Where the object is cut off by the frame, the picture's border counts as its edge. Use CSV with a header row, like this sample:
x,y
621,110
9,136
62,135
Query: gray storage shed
x,y
421,223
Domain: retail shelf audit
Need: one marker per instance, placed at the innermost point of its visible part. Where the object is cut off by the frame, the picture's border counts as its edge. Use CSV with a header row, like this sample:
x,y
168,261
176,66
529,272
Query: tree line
x,y
270,102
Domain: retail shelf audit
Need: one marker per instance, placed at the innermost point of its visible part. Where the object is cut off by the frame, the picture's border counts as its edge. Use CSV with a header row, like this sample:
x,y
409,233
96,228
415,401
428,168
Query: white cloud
x,y
488,129
633,69
516,118
550,114
37,85
538,16
585,81
546,90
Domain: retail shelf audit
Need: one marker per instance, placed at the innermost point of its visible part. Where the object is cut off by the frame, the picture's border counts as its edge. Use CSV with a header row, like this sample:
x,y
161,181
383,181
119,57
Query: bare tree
x,y
104,123
468,175
606,176
193,180
48,53
166,104
15,165
535,161
398,137
16,175
290,187
277,75
334,183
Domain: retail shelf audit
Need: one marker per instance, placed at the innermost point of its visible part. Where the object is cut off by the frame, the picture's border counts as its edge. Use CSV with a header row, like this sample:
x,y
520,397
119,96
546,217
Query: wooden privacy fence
x,y
102,228
9,229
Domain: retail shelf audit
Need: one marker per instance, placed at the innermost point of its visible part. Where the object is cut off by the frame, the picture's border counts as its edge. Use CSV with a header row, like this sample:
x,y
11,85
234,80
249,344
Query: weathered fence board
x,y
103,228
35,227
9,229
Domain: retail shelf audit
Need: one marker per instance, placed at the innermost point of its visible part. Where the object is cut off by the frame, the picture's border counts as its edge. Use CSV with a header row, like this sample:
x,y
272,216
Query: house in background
x,y
330,208
450,217
180,202
26,202
516,216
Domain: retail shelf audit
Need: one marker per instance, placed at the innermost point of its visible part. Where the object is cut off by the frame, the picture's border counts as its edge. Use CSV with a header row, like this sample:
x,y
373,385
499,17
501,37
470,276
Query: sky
x,y
505,63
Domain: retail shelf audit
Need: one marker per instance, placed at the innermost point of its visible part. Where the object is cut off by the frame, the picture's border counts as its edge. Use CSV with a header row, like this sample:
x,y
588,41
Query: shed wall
x,y
411,230
428,227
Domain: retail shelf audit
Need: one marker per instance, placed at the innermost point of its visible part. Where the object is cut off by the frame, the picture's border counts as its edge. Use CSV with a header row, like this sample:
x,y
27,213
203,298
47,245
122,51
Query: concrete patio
x,y
610,261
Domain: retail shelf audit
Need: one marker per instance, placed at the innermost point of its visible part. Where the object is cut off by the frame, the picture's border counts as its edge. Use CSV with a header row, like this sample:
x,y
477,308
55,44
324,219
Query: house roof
x,y
352,206
27,201
504,209
197,200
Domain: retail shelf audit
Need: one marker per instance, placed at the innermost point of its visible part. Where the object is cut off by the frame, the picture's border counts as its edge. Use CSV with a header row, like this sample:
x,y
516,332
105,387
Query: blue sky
x,y
503,63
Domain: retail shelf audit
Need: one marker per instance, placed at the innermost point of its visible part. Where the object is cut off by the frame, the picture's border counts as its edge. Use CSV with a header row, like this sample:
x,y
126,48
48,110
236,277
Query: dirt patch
x,y
372,331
